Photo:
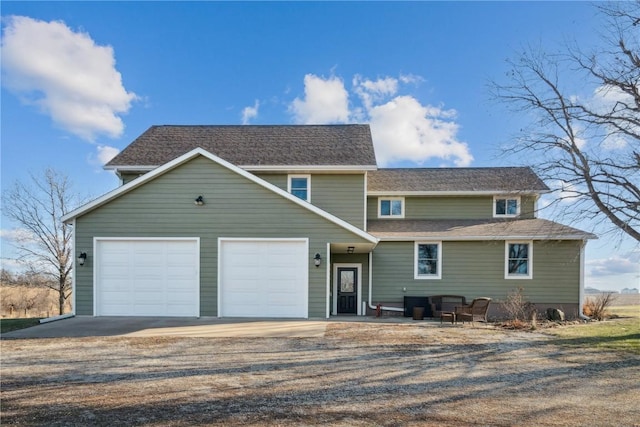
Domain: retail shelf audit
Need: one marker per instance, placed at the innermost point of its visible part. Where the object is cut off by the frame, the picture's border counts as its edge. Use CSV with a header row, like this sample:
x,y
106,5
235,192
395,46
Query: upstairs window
x,y
518,260
391,207
506,206
428,260
300,186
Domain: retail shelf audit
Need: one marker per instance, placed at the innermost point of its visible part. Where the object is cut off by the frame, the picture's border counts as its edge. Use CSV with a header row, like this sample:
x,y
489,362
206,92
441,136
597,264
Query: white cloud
x,y
249,113
66,74
325,101
18,235
628,263
106,153
402,128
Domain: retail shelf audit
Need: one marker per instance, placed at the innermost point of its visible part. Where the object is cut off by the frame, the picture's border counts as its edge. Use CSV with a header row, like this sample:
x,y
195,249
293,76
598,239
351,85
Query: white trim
x,y
390,199
480,238
143,239
366,179
529,274
266,168
305,176
415,261
506,198
328,280
357,266
221,240
140,168
304,168
201,152
399,193
75,267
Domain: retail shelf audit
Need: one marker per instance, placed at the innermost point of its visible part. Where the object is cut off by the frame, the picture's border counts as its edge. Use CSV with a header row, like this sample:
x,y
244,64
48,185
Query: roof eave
x,y
454,193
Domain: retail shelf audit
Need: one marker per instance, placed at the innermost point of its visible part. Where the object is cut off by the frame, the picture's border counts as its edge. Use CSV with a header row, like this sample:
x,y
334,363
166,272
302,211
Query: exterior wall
x,y
234,207
476,269
341,195
451,207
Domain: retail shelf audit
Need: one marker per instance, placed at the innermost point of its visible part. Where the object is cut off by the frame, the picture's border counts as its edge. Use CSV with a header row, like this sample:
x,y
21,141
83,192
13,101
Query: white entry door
x,y
263,278
147,277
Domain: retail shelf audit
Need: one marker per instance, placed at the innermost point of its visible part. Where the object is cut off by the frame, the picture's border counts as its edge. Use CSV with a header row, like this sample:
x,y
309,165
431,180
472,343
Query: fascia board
x,y
130,168
201,152
311,168
454,193
479,238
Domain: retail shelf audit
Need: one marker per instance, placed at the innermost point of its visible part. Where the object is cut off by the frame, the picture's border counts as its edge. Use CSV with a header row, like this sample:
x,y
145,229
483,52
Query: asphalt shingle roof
x,y
277,145
474,229
499,179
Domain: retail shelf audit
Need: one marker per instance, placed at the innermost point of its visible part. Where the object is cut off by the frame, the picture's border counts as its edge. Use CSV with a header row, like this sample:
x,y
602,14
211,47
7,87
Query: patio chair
x,y
476,311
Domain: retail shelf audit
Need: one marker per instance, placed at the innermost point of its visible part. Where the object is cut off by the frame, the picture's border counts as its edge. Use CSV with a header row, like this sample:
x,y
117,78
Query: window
x,y
518,260
300,186
428,260
506,206
391,207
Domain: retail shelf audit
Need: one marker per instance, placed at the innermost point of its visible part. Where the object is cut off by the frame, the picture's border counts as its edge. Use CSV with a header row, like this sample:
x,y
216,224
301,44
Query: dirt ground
x,y
359,374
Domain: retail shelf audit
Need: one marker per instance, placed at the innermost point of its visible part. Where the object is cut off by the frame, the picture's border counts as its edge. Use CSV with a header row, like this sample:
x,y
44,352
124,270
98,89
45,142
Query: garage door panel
x,y
263,278
147,278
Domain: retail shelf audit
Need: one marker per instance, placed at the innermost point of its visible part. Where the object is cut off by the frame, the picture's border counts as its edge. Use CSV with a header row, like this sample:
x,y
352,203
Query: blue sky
x,y
81,80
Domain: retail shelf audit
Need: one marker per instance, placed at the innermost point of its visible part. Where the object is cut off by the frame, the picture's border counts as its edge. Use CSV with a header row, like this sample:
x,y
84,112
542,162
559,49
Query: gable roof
x,y
345,146
530,229
200,152
424,181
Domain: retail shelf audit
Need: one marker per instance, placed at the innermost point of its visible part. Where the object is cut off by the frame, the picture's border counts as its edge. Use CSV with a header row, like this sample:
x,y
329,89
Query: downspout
x,y
581,295
371,306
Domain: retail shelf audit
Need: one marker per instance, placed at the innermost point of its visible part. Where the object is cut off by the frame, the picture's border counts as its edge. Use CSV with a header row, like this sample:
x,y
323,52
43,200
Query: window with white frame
x,y
506,206
428,260
300,186
518,260
391,207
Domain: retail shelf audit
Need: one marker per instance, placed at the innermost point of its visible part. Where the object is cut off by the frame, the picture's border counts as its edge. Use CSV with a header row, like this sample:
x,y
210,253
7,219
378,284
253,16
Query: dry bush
x,y
517,306
596,306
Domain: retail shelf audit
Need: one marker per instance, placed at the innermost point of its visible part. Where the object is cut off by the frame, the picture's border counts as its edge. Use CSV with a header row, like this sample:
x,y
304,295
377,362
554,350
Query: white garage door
x,y
149,277
263,278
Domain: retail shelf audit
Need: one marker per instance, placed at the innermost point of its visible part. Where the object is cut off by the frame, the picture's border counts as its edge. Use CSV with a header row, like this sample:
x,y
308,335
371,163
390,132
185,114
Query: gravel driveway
x,y
358,374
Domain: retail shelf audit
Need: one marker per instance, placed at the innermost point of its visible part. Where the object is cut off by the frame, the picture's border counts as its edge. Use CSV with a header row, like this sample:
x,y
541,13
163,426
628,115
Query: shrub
x,y
596,307
517,306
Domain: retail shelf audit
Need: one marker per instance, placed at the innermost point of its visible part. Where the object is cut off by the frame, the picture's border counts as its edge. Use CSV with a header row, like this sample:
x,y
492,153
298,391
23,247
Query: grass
x,y
8,325
615,334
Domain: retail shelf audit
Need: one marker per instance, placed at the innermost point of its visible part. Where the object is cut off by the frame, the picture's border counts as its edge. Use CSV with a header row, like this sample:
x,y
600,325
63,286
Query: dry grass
x,y
359,374
24,302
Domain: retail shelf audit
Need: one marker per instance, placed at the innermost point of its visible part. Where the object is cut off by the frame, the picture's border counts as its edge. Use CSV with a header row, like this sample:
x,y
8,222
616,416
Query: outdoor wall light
x,y
82,258
317,259
199,201
350,249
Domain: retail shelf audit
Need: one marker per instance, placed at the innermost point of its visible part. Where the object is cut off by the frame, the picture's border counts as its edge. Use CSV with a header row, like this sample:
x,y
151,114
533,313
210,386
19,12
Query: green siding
x,y
235,207
341,195
476,269
451,207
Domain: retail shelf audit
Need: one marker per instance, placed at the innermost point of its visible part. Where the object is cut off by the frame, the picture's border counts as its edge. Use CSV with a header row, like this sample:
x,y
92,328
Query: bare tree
x,y
44,245
585,132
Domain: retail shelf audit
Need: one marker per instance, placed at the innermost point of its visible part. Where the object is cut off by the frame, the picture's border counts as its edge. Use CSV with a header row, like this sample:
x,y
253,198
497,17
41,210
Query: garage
x,y
263,278
147,277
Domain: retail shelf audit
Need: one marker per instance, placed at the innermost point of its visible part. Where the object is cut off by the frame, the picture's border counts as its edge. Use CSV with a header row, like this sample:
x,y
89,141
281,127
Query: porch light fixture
x,y
350,249
82,258
317,259
199,201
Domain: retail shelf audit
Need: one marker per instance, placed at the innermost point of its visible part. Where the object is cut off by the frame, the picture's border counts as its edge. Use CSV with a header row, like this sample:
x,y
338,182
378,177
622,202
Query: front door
x,y
347,290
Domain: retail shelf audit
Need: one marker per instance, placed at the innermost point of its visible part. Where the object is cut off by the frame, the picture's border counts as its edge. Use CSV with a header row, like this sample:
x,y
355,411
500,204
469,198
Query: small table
x,y
448,315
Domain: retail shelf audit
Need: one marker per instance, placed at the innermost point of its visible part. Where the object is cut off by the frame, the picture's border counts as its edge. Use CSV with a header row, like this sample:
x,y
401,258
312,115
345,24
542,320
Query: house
x,y
299,222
